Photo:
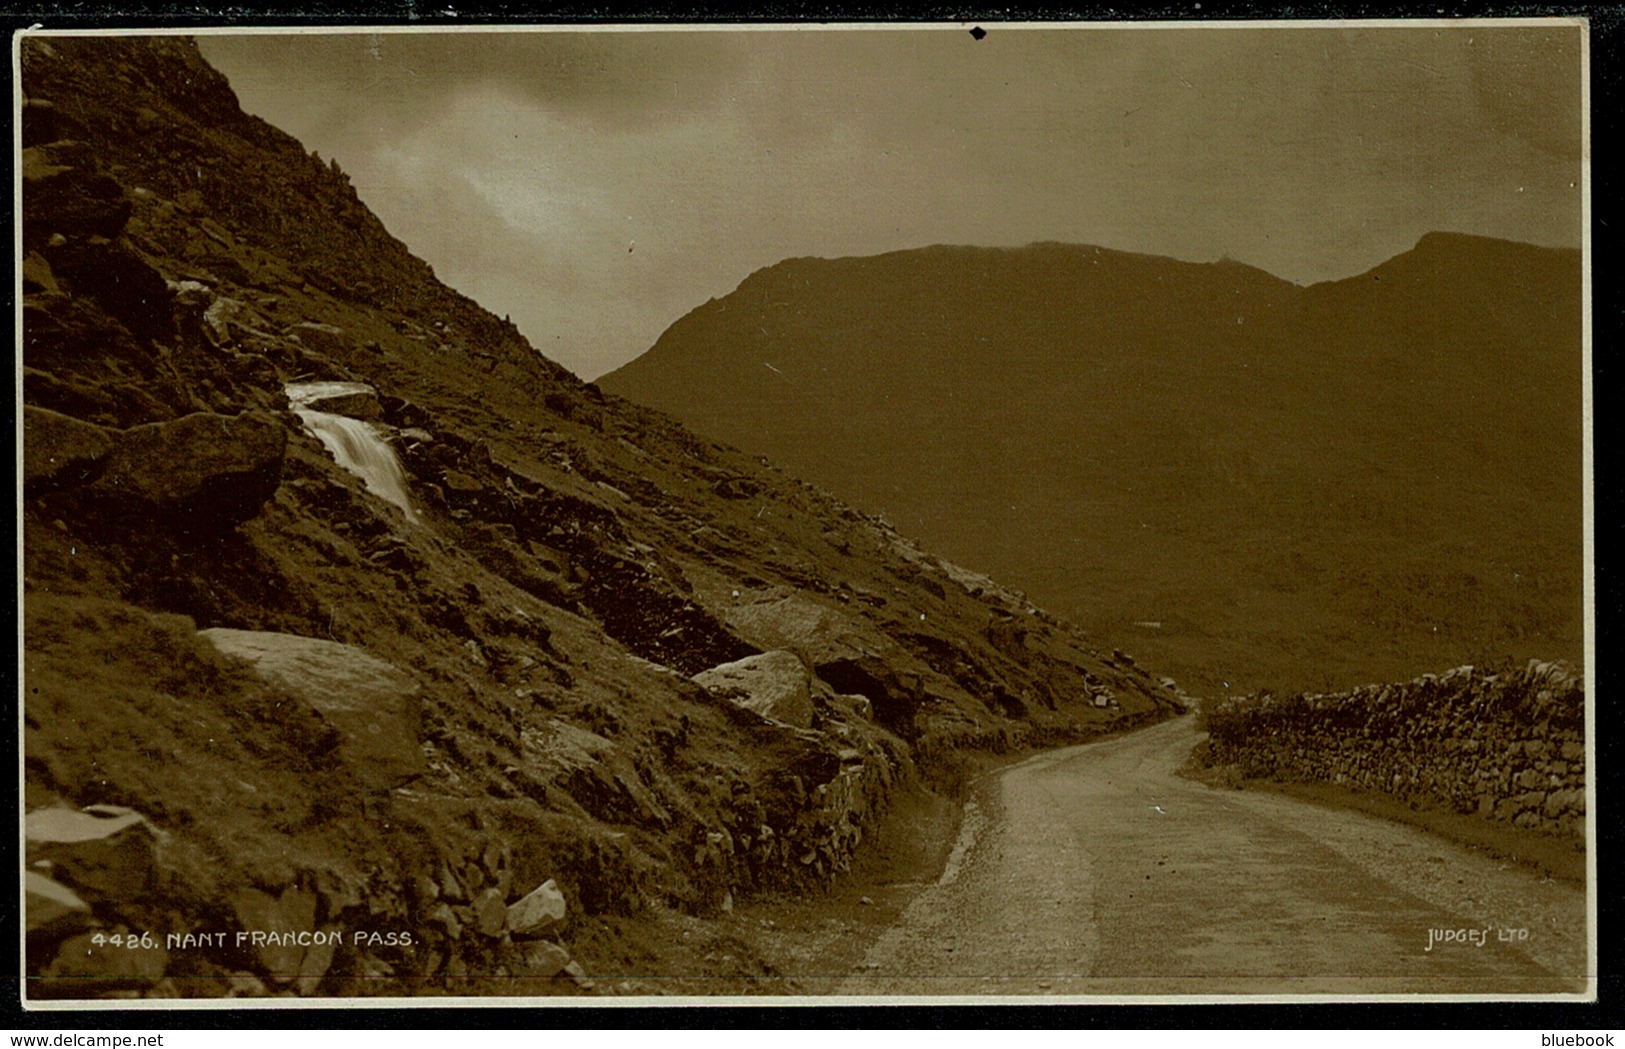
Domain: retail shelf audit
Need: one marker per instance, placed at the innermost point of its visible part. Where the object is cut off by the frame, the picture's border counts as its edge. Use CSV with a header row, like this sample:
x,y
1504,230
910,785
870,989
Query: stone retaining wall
x,y
1509,746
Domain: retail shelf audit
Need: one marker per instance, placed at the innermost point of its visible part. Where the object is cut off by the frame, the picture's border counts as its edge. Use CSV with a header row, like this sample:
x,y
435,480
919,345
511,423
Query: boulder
x,y
317,960
539,911
43,123
893,694
37,275
107,851
566,747
60,451
323,338
84,967
852,705
373,705
601,778
1560,801
53,905
736,488
544,959
444,918
789,620
228,320
191,294
64,191
490,913
425,890
354,399
403,413
774,684
208,471
451,886
461,488
293,912
120,281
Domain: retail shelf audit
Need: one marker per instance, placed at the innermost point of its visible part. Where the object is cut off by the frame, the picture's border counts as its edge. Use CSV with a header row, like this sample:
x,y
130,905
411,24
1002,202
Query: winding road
x,y
1098,871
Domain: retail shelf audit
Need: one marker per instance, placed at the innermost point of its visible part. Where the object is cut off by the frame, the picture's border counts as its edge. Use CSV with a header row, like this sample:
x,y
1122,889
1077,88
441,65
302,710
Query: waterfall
x,y
355,444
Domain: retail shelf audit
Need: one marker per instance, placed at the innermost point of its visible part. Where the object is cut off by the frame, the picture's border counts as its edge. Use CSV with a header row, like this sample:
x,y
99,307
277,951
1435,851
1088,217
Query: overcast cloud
x,y
597,185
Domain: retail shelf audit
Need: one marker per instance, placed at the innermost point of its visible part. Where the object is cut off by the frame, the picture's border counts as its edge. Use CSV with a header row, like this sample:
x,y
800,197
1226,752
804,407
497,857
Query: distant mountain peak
x,y
1112,430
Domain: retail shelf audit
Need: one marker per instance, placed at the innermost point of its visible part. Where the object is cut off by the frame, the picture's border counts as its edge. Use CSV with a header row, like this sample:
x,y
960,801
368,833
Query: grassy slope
x,y
581,558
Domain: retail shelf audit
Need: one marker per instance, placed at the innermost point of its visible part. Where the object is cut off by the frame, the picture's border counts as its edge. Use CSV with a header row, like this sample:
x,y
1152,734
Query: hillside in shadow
x,y
1252,482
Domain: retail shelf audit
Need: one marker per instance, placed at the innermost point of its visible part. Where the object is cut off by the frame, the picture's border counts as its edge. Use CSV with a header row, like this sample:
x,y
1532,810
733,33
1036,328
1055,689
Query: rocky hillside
x,y
296,727
1244,480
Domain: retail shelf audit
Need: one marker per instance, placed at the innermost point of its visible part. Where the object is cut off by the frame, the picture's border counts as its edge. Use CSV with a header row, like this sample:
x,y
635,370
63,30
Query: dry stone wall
x,y
1509,746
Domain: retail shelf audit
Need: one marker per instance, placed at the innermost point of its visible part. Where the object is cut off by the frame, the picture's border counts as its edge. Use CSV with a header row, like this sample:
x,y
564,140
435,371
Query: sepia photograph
x,y
973,512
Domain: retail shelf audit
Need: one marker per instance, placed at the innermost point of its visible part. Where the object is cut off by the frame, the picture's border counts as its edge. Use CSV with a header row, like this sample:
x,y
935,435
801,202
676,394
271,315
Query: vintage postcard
x,y
973,512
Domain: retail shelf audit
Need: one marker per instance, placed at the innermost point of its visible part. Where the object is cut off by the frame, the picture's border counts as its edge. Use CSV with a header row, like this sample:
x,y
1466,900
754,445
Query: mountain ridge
x,y
1435,398
1427,239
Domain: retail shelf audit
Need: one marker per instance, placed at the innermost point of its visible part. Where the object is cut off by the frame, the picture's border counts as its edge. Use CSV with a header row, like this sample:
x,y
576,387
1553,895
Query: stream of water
x,y
355,444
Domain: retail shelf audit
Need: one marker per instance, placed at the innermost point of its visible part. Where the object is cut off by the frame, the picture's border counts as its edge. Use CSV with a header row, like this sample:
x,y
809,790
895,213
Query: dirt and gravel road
x,y
1098,870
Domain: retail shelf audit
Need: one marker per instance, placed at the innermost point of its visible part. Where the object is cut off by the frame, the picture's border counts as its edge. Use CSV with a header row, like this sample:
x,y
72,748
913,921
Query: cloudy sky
x,y
597,185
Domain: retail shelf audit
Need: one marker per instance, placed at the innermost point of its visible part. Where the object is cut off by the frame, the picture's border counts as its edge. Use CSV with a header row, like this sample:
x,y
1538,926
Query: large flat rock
x,y
204,469
373,705
107,851
52,904
60,451
774,684
354,399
